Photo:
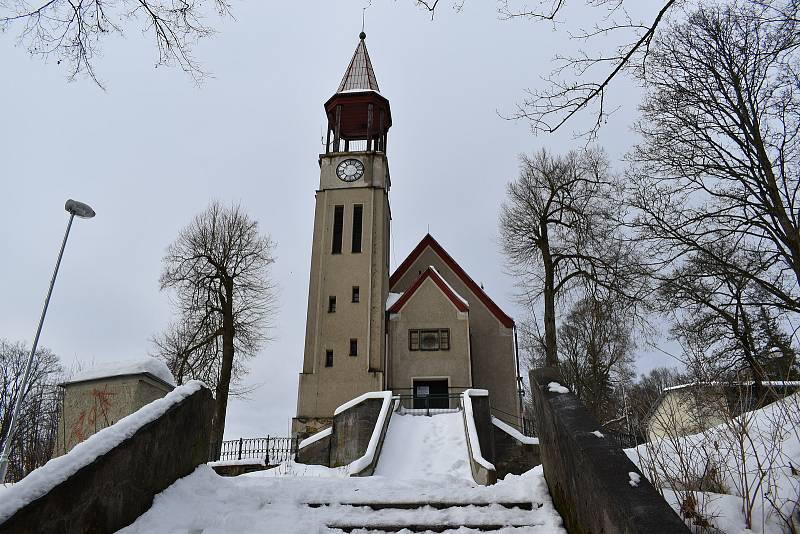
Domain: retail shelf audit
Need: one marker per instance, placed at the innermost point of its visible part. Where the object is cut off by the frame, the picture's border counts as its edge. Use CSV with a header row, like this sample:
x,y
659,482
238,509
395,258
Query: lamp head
x,y
79,209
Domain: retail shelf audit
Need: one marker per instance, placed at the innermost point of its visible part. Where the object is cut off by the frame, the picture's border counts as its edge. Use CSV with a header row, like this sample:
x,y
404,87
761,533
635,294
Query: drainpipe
x,y
519,380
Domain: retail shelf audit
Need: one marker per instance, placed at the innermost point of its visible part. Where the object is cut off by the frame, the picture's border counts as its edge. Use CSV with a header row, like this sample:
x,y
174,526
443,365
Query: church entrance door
x,y
431,394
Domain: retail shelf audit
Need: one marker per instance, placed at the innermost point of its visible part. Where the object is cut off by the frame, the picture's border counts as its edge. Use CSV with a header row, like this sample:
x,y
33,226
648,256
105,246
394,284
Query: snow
x,y
41,480
555,387
361,398
149,365
472,433
423,460
417,447
274,501
598,434
459,297
315,437
514,433
766,457
635,478
768,383
392,298
244,461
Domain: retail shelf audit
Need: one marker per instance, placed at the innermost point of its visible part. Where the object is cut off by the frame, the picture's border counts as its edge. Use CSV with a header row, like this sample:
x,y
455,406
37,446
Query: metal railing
x,y
428,404
273,450
522,424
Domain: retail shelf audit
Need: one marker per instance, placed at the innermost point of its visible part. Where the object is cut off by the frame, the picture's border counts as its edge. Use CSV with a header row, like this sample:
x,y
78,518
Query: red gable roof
x,y
431,273
429,241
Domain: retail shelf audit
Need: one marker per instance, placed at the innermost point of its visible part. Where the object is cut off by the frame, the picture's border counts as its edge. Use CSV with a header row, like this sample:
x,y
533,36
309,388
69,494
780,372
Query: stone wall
x,y
118,486
588,476
511,456
92,405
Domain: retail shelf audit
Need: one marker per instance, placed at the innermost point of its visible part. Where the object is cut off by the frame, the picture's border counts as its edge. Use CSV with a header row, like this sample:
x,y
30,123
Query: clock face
x,y
350,170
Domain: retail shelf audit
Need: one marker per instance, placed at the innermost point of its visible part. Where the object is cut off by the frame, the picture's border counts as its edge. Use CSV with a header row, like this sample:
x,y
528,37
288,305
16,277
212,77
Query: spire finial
x,y
363,35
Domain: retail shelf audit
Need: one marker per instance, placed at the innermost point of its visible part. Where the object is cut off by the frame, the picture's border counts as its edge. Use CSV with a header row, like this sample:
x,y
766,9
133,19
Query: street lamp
x,y
82,211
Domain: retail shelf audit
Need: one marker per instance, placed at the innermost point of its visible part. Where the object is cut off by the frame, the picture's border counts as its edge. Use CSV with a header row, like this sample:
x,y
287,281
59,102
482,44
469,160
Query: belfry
x,y
428,330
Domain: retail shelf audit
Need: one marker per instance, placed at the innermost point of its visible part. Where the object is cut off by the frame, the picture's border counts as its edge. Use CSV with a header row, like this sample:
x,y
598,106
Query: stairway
x,y
431,448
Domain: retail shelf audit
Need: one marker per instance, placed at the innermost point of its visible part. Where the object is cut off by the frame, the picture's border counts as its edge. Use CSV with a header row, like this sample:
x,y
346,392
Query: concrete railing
x,y
594,486
480,435
107,481
355,439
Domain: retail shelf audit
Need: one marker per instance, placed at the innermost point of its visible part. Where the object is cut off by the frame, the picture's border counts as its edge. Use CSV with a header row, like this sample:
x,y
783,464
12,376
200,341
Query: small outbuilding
x,y
100,396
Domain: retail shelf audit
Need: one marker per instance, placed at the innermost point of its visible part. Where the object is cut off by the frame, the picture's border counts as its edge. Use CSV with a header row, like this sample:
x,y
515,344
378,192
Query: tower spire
x,y
359,75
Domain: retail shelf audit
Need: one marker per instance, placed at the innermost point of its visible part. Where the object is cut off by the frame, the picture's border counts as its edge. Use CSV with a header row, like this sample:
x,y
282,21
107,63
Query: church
x,y
426,331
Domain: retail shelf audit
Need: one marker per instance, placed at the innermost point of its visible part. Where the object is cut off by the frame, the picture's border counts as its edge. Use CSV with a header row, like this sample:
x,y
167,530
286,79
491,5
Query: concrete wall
x,y
482,419
428,308
511,456
349,439
322,389
93,405
588,475
352,430
317,453
492,344
119,486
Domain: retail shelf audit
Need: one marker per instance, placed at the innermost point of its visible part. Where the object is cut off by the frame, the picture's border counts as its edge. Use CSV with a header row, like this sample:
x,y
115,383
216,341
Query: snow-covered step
x,y
460,529
437,505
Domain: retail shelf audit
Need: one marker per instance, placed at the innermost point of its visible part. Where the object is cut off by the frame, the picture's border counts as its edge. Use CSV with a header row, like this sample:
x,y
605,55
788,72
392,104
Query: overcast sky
x,y
154,149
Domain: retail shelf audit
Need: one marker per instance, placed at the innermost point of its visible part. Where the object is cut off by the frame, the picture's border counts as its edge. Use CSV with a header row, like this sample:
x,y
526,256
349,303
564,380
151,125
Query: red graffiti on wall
x,y
87,420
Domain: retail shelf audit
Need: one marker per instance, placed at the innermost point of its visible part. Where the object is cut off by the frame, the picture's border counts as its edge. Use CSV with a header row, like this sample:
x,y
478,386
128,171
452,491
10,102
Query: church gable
x,y
434,280
429,252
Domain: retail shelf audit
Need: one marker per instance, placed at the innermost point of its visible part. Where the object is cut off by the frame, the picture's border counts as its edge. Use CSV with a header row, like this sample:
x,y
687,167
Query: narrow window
x,y
444,339
356,294
331,304
353,347
358,211
413,340
328,358
429,340
338,222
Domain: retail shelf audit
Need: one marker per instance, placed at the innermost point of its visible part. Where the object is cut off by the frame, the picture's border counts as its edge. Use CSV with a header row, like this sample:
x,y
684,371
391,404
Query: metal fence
x,y
273,450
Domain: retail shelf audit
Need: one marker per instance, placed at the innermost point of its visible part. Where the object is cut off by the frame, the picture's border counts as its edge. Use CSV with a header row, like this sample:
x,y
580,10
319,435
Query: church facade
x,y
427,331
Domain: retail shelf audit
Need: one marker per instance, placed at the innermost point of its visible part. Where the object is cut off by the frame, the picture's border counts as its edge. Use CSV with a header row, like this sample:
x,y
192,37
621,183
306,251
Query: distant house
x,y
691,408
99,397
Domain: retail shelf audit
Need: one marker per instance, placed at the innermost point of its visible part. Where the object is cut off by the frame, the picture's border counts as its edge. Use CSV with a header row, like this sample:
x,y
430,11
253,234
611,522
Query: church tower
x,y
345,342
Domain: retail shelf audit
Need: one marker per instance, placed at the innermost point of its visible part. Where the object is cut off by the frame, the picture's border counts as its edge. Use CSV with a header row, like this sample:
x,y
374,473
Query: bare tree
x,y
218,268
557,232
35,435
596,345
615,39
73,32
719,160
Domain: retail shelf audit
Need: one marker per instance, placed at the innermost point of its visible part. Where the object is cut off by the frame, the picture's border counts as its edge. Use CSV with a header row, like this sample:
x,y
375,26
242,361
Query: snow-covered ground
x,y
424,460
751,461
263,502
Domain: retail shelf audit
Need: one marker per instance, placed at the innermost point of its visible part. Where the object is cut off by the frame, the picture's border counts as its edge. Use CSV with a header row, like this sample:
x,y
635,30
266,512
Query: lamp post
x,y
83,211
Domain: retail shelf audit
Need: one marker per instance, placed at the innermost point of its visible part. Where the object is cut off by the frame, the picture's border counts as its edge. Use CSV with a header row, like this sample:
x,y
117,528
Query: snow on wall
x,y
149,365
514,433
57,470
365,461
313,438
472,433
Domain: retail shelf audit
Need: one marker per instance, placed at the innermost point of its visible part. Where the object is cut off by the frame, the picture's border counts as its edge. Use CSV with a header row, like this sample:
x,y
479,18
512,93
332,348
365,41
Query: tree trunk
x,y
223,386
551,355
